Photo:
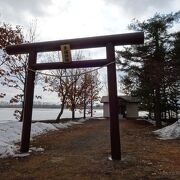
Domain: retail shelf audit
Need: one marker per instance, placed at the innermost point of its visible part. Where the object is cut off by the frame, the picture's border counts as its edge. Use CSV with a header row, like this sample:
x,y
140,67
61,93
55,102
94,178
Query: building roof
x,y
129,99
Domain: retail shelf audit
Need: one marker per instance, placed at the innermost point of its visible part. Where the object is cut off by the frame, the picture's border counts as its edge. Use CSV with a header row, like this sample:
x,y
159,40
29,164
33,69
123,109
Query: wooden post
x,y
28,104
113,104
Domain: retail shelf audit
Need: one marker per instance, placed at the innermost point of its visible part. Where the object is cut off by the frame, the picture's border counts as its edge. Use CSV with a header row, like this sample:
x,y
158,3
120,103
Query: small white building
x,y
127,105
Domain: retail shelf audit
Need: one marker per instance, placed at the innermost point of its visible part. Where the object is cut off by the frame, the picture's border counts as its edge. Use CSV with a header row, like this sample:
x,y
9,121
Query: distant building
x,y
127,105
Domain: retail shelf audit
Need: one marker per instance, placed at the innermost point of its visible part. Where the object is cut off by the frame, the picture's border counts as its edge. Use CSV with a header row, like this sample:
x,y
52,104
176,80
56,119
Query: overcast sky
x,y
61,19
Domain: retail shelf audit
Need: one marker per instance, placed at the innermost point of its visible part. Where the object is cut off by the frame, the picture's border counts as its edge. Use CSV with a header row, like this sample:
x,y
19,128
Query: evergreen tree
x,y
150,69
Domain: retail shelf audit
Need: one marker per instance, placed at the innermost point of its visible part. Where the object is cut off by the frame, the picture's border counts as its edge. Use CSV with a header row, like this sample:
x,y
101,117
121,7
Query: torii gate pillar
x,y
113,104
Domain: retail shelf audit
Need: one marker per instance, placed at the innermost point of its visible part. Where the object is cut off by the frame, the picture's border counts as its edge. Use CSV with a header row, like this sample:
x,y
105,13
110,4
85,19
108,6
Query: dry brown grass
x,y
81,152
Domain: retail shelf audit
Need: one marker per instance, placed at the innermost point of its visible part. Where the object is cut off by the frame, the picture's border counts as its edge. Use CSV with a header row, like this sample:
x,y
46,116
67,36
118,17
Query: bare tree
x,y
90,91
76,88
16,66
8,36
60,82
75,91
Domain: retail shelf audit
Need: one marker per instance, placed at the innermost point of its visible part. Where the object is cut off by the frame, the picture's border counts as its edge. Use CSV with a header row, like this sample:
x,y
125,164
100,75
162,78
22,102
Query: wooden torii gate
x,y
109,42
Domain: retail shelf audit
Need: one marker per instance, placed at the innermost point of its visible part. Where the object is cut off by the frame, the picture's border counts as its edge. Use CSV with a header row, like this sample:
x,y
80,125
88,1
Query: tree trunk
x,y
91,107
176,111
157,111
169,114
24,90
61,111
84,107
165,116
73,111
22,112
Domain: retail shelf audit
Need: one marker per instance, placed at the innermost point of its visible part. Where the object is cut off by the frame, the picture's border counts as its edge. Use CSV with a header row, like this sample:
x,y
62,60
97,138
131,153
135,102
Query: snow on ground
x,y
10,133
169,132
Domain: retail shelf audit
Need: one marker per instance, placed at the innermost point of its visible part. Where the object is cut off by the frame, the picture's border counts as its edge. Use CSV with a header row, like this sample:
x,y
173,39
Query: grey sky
x,y
80,16
64,19
19,10
140,7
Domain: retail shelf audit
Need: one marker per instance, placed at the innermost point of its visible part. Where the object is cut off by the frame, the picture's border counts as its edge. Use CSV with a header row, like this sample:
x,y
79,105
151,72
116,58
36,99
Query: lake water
x,y
6,114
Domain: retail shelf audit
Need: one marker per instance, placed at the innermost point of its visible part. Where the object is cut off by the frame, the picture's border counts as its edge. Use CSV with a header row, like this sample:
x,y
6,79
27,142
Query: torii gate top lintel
x,y
81,43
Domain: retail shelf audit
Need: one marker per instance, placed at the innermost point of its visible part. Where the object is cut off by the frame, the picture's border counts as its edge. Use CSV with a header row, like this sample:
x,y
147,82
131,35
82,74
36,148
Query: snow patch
x,y
169,132
10,133
36,149
21,155
7,149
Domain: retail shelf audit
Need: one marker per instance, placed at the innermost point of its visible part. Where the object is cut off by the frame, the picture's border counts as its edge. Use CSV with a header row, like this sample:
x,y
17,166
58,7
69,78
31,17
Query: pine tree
x,y
149,67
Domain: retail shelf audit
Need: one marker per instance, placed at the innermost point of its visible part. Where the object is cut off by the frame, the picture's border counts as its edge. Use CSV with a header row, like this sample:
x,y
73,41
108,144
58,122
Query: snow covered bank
x,y
10,133
169,132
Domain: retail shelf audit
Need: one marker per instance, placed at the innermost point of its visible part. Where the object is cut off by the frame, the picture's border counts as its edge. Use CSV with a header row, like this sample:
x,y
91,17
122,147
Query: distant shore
x,y
43,106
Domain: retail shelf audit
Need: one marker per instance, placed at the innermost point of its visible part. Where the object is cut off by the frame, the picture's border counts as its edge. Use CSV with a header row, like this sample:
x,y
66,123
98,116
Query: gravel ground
x,y
82,151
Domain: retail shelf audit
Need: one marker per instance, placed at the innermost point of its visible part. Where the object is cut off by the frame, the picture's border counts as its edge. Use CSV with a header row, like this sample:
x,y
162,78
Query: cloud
x,y
138,8
18,11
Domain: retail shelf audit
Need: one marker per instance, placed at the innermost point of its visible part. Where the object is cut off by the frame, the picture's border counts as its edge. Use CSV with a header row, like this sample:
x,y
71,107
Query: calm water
x,y
6,114
42,114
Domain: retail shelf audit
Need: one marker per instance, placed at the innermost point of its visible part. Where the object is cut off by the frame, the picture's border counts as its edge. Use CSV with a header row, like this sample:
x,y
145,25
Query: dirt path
x,y
81,152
